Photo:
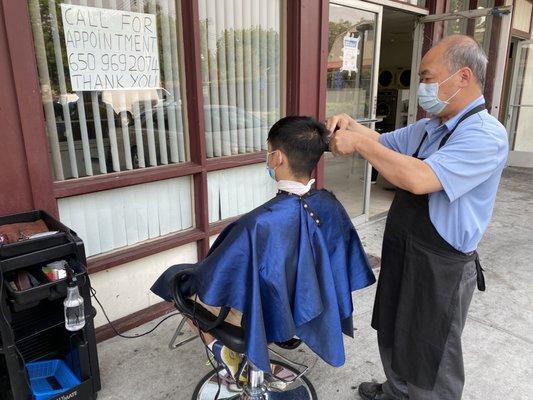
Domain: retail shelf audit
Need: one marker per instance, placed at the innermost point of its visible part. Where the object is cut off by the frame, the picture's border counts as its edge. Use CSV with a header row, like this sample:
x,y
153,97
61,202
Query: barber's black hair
x,y
302,139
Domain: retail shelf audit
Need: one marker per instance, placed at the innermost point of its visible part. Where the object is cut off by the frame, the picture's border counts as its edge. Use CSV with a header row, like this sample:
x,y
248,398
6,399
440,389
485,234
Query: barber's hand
x,y
342,142
340,121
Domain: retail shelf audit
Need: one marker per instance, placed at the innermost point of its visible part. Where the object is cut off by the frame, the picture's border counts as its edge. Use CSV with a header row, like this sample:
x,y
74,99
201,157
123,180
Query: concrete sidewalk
x,y
497,341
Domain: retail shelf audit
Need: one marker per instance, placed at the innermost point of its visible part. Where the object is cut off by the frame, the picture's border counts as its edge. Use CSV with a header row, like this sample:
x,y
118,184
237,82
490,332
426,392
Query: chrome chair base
x,y
285,383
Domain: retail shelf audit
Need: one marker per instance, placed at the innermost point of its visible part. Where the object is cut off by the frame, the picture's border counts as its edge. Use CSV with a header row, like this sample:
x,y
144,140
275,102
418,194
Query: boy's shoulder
x,y
324,197
325,193
326,203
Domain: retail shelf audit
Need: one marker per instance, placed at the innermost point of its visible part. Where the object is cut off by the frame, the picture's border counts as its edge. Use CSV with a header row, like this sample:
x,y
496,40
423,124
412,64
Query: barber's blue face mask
x,y
271,171
428,96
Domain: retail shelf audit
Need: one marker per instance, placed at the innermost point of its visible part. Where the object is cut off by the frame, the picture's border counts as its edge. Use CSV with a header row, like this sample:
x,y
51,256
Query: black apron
x,y
418,283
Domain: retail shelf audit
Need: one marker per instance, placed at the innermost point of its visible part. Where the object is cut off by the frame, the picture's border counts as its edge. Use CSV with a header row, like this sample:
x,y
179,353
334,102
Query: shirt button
x,y
312,215
317,221
305,205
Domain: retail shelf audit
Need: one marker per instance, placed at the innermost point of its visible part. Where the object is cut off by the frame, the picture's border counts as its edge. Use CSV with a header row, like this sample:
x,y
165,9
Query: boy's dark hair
x,y
302,139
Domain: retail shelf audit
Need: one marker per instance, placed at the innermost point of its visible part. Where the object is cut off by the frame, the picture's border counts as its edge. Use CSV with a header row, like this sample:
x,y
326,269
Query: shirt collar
x,y
434,123
294,187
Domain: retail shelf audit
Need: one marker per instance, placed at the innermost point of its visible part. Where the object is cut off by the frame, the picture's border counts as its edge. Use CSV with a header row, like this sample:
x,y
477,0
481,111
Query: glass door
x,y
354,38
480,24
520,111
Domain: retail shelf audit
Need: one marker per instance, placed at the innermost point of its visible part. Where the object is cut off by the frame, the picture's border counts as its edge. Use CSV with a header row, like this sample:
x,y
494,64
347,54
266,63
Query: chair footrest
x,y
290,344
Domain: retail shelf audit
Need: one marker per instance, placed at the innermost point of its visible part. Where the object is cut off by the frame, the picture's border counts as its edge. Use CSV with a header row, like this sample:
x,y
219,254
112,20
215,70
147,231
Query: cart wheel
x,y
301,389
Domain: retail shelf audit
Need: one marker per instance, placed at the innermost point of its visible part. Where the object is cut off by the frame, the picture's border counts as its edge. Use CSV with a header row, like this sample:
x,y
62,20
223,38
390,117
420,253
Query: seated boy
x,y
289,266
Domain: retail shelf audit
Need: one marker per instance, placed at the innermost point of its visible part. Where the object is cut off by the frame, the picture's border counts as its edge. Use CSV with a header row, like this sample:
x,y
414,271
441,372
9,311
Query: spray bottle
x,y
74,308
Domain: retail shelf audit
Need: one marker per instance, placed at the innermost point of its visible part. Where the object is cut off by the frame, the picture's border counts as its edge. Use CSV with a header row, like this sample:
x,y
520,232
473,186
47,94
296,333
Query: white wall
x,y
125,289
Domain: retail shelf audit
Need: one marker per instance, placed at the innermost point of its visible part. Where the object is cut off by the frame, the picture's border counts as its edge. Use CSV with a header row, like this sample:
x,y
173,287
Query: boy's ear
x,y
284,158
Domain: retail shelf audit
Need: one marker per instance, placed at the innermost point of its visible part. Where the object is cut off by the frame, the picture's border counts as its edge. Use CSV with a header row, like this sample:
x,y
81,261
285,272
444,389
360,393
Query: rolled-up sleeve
x,y
468,159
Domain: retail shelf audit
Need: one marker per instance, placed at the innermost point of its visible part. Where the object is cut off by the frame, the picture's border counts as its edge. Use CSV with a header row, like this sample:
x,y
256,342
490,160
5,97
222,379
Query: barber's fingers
x,y
333,150
340,121
342,143
331,122
333,146
344,123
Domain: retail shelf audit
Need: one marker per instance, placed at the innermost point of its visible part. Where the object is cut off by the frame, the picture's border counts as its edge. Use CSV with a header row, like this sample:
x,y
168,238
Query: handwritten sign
x,y
350,52
110,49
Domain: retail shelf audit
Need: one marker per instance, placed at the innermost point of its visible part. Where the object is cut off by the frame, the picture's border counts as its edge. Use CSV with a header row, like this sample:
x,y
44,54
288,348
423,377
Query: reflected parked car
x,y
240,122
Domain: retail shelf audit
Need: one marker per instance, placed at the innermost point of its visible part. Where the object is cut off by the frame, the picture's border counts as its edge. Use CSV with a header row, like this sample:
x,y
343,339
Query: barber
x,y
447,169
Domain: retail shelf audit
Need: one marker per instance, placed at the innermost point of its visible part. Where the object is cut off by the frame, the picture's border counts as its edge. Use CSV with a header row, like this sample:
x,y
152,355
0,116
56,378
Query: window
x,y
113,88
241,73
522,15
479,28
236,191
86,51
111,219
464,5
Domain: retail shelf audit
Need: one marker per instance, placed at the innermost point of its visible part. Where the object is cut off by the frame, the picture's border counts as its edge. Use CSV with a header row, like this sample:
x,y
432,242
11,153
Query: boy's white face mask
x,y
428,96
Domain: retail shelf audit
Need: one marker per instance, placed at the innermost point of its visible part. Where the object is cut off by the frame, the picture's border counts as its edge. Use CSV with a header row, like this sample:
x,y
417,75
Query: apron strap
x,y
415,154
480,276
473,111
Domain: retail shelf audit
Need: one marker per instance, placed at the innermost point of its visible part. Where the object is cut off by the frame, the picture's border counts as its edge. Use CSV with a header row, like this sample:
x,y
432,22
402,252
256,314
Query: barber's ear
x,y
466,76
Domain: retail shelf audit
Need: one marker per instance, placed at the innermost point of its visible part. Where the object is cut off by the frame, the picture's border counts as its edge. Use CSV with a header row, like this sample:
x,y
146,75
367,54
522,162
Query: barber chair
x,y
286,381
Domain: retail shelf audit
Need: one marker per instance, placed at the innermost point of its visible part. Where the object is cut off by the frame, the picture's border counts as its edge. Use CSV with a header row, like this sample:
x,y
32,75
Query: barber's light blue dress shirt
x,y
468,166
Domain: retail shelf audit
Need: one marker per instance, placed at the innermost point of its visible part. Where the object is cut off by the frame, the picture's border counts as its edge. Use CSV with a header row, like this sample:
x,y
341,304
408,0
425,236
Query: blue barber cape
x,y
288,274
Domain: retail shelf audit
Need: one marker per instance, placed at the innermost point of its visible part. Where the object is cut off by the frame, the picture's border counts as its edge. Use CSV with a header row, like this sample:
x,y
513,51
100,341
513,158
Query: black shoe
x,y
372,391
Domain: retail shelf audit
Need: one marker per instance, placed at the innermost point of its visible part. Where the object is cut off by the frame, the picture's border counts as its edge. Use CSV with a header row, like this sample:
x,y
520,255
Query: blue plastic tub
x,y
50,378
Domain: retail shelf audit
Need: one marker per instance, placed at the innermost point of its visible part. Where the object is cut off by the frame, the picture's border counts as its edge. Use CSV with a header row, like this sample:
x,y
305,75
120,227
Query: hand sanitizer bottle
x,y
74,309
